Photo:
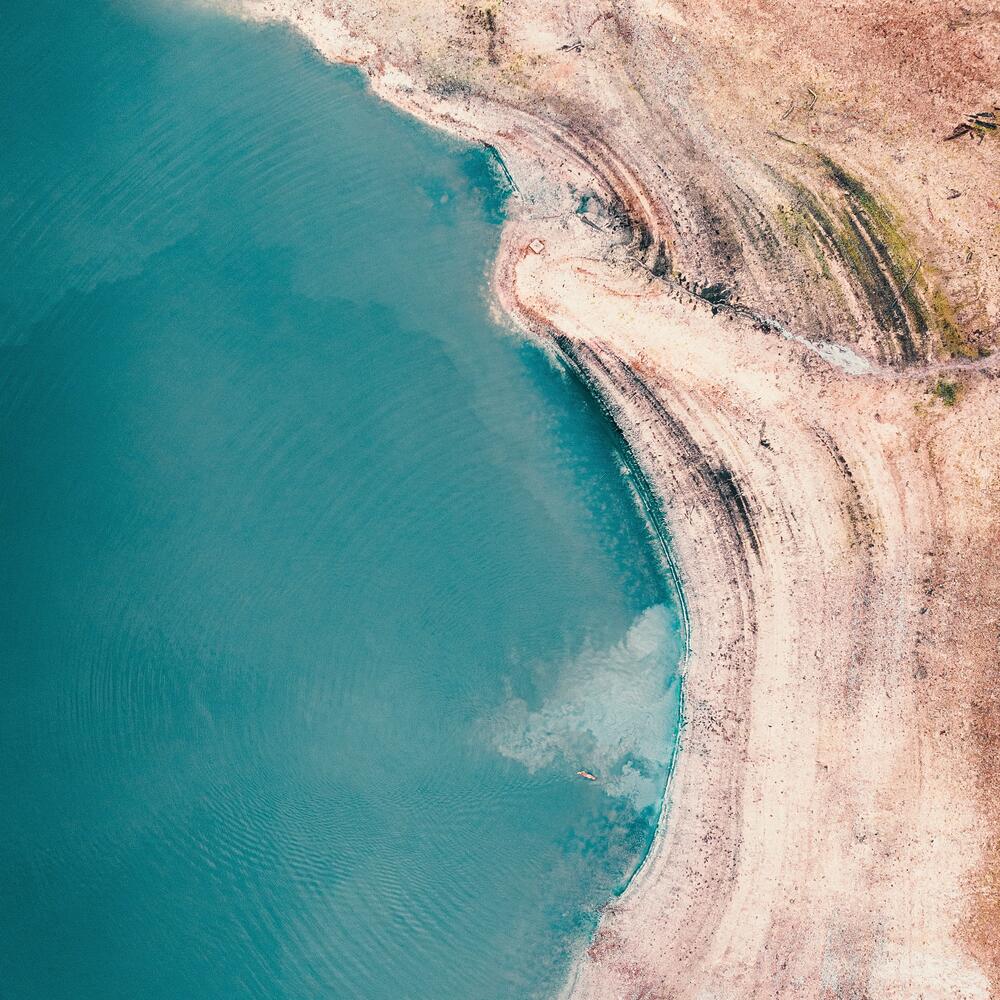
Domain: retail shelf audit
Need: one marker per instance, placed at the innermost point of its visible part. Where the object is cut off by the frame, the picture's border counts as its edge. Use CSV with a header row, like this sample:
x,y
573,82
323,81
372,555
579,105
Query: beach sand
x,y
780,278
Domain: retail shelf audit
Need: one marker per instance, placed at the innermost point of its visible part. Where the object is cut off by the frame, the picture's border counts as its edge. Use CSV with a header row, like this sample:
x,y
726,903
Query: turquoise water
x,y
316,587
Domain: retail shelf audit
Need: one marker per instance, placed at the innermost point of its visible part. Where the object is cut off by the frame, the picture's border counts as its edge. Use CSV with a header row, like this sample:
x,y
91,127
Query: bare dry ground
x,y
772,248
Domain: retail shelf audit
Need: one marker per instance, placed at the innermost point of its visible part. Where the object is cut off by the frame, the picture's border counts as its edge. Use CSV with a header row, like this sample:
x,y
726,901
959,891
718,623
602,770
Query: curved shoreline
x,y
652,512
831,830
726,654
646,495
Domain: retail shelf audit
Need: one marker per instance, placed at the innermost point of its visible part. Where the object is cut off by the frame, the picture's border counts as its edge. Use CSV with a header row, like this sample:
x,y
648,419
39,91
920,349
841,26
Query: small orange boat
x,y
587,775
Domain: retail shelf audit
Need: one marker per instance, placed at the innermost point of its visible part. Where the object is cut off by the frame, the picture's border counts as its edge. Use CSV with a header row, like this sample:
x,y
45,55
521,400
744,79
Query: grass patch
x,y
849,224
947,391
952,340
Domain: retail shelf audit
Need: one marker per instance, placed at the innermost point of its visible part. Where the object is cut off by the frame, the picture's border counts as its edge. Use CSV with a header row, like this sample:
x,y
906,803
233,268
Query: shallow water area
x,y
317,587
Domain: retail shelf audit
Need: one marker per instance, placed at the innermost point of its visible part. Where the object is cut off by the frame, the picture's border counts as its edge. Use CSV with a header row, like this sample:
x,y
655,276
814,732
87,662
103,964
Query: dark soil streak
x,y
718,480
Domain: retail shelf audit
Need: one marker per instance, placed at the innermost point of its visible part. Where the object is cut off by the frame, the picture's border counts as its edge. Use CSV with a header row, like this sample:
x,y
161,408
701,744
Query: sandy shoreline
x,y
758,260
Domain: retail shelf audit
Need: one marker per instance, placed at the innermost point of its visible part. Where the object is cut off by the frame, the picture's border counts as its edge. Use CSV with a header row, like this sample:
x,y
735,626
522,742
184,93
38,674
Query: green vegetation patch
x,y
871,242
947,392
854,226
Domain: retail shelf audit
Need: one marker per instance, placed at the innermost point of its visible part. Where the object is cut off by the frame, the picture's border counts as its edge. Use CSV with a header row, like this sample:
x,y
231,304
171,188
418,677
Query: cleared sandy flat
x,y
780,277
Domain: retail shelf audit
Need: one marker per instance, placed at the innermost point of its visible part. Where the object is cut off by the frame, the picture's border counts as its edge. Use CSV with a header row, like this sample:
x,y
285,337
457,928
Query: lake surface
x,y
316,586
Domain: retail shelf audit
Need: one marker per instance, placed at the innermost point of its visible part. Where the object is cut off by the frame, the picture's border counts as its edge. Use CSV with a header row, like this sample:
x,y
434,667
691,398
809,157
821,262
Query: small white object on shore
x,y
536,245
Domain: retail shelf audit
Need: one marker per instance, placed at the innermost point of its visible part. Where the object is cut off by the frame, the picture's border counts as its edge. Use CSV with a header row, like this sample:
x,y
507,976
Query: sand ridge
x,y
755,255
